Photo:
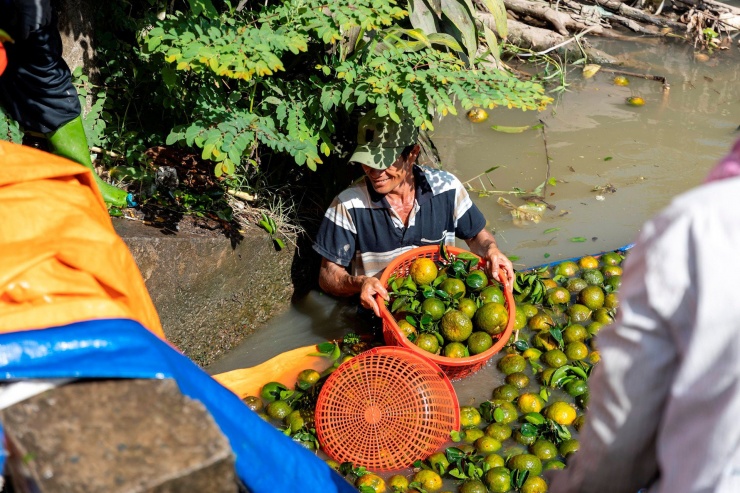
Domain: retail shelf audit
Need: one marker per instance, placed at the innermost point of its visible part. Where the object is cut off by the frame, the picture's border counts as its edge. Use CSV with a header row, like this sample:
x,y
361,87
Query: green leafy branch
x,y
230,62
538,426
529,287
268,224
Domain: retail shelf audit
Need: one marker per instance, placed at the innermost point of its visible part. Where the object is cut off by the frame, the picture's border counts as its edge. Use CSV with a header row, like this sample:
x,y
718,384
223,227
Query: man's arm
x,y
484,245
334,279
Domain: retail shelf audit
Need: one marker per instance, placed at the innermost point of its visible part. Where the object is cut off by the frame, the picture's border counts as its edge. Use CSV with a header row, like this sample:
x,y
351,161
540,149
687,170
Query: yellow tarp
x,y
60,259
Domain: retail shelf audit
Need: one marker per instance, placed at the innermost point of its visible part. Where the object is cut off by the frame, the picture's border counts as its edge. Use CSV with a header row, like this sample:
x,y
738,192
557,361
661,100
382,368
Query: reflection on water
x,y
648,154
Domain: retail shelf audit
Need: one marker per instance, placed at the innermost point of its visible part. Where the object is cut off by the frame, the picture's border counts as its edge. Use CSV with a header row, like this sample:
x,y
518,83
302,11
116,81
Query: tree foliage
x,y
237,82
280,74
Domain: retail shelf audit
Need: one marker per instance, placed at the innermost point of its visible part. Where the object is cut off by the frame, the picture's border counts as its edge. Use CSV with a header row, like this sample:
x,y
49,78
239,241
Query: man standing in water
x,y
397,206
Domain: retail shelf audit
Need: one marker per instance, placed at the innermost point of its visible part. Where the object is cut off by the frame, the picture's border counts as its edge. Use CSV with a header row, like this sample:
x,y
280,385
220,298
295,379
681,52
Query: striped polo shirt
x,y
361,229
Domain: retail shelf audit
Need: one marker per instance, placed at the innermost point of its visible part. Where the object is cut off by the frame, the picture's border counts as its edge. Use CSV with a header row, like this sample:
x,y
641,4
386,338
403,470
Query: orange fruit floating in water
x,y
635,101
477,115
621,80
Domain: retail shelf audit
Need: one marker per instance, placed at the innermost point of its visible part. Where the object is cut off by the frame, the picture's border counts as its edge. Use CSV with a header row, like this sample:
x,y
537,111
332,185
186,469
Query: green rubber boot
x,y
69,141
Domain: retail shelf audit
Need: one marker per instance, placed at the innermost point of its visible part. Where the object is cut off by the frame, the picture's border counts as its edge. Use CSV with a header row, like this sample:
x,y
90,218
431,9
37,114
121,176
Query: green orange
x,y
454,350
479,342
398,483
525,462
544,341
434,307
429,480
491,294
468,307
576,350
575,332
512,363
373,481
541,321
558,296
439,462
278,409
592,297
505,392
498,480
611,271
518,379
476,280
428,342
534,484
494,460
555,358
469,416
455,326
406,328
271,391
508,412
621,80
529,309
579,313
308,377
603,316
520,319
544,449
492,318
568,447
567,268
498,431
575,284
453,287
487,445
611,258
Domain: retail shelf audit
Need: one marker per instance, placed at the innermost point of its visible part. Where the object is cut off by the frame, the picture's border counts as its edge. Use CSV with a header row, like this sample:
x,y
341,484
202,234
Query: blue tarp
x,y
621,250
266,460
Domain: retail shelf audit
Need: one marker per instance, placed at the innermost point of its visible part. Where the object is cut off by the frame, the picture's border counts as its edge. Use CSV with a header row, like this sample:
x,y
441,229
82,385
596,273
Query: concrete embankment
x,y
212,291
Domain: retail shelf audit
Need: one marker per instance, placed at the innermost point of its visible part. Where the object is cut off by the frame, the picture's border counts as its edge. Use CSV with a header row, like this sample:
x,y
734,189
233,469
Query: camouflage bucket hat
x,y
381,140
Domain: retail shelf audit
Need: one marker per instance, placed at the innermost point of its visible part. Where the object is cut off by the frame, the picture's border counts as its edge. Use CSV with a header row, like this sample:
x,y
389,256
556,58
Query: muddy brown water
x,y
644,155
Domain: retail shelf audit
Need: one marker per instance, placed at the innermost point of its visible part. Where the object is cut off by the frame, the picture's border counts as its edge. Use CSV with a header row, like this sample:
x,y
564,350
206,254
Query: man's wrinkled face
x,y
387,180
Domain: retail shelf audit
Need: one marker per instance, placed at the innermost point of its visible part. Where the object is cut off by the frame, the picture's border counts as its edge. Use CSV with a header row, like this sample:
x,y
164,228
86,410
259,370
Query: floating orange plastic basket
x,y
386,408
455,368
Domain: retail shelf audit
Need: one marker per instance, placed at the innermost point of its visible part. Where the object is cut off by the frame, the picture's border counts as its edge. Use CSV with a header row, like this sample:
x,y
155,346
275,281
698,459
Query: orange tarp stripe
x,y
61,261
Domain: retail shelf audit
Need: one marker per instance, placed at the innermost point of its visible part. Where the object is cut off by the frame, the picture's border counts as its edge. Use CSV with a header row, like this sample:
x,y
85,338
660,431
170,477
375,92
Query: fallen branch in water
x,y
659,78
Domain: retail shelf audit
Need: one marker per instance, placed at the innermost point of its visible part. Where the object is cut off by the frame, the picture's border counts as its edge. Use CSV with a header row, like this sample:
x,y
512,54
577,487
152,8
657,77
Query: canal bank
x,y
212,291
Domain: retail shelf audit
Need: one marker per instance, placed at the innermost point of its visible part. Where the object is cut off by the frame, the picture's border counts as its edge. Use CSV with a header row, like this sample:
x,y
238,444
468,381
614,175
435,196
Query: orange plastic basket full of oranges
x,y
458,367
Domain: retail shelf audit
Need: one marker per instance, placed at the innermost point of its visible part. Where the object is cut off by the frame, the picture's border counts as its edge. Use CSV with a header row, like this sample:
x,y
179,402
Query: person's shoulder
x,y
440,180
354,195
708,199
